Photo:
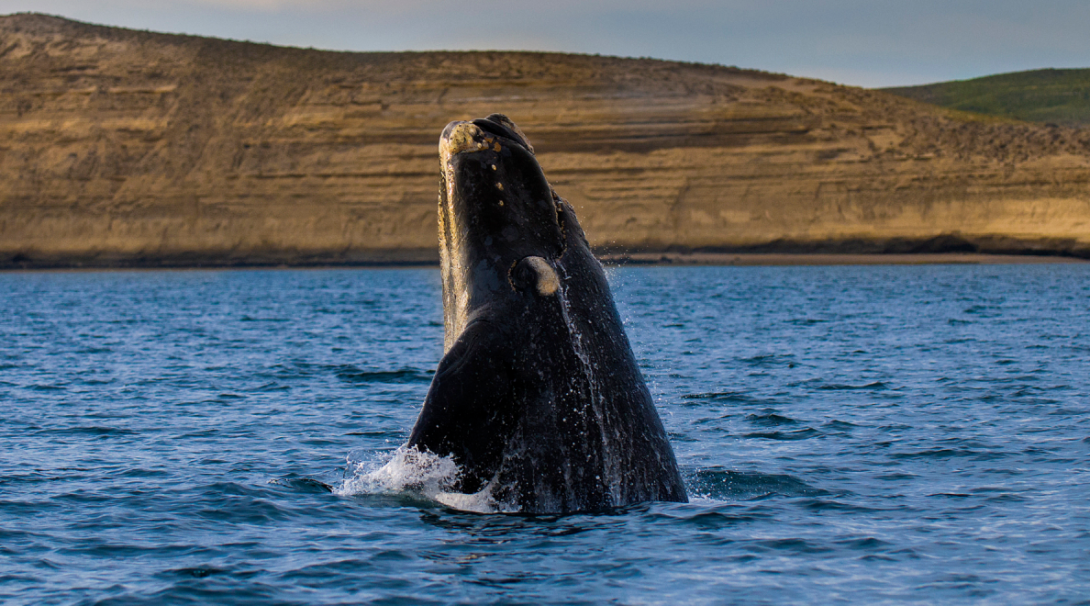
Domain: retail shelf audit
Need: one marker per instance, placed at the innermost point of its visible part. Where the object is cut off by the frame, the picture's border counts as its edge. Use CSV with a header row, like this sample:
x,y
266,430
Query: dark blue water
x,y
849,435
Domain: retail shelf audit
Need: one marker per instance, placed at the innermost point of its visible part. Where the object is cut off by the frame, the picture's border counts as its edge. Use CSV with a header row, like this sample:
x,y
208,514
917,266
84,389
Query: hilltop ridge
x,y
1058,96
129,148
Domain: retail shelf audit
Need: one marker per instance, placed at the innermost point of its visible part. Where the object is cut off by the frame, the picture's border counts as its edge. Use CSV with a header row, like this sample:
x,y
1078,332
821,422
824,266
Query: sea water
x,y
847,435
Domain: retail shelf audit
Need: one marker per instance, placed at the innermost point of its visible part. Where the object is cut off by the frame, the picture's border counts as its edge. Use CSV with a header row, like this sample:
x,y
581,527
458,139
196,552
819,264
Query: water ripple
x,y
847,435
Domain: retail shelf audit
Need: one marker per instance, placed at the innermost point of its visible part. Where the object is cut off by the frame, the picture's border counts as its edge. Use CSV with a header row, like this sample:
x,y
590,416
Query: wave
x,y
352,374
726,485
770,419
720,397
799,434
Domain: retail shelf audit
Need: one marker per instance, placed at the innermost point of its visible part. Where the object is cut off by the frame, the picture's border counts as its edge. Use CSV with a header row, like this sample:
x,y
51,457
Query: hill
x,y
129,148
1057,96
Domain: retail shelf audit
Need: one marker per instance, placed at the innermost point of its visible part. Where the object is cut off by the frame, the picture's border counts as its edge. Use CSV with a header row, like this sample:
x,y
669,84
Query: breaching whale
x,y
538,397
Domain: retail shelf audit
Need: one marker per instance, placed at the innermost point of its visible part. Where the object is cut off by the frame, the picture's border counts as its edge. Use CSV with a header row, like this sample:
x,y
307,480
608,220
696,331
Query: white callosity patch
x,y
547,281
464,136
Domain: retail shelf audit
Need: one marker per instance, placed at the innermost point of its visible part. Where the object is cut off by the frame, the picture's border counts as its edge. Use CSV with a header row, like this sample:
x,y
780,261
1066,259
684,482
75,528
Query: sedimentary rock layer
x,y
126,148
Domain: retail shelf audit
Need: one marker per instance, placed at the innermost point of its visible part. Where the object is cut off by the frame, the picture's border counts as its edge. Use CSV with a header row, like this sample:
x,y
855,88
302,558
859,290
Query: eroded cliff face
x,y
131,148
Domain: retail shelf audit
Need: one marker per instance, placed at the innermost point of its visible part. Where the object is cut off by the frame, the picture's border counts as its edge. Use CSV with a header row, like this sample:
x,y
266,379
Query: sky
x,y
871,43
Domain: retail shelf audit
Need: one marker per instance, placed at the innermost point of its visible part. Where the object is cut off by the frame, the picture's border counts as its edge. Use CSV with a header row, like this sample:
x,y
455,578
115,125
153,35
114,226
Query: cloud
x,y
873,42
259,5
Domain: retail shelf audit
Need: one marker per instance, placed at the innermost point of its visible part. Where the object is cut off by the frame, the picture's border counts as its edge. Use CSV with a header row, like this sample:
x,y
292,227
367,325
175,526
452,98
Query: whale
x,y
538,398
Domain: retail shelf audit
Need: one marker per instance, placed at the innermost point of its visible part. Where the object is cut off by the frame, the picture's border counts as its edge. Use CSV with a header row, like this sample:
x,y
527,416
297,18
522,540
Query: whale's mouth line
x,y
460,144
483,134
503,133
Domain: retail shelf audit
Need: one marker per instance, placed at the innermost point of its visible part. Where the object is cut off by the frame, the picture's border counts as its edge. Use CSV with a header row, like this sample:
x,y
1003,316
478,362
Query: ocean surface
x,y
848,435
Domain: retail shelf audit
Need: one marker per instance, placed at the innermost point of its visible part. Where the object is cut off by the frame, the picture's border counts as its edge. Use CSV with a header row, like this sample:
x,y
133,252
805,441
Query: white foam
x,y
478,502
408,471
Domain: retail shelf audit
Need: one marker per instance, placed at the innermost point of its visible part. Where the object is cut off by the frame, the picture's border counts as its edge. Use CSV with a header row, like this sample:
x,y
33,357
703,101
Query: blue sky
x,y
859,42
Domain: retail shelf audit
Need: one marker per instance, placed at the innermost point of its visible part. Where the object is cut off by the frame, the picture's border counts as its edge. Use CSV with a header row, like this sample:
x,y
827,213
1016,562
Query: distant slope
x,y
1057,96
129,148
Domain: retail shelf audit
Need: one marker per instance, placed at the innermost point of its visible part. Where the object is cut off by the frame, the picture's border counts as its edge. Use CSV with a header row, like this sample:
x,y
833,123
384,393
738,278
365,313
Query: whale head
x,y
500,222
538,398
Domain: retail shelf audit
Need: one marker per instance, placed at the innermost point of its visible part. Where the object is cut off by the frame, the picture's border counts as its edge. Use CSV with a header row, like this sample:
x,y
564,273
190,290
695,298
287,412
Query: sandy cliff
x,y
121,147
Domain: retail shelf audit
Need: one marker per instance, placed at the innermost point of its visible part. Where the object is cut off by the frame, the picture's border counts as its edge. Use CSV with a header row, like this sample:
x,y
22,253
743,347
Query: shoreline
x,y
792,259
645,259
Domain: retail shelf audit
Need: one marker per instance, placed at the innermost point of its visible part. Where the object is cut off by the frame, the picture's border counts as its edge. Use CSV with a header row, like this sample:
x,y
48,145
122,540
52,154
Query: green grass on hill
x,y
1058,96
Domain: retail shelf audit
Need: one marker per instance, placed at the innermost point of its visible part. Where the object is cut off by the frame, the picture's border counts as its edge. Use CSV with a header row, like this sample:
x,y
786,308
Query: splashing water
x,y
411,472
404,471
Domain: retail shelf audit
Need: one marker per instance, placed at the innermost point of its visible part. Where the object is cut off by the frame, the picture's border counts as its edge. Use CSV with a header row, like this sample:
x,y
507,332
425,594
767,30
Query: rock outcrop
x,y
127,148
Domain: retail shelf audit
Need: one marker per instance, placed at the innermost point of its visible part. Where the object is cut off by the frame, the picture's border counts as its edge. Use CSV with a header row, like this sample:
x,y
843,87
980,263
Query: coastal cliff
x,y
128,148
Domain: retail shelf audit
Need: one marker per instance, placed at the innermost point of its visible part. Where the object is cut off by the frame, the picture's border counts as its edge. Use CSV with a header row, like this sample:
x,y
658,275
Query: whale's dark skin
x,y
538,397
